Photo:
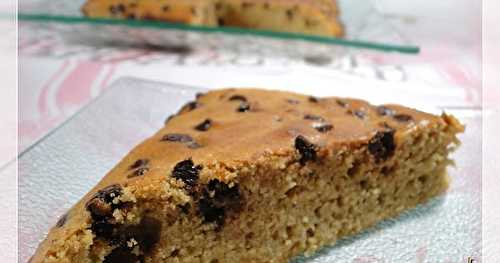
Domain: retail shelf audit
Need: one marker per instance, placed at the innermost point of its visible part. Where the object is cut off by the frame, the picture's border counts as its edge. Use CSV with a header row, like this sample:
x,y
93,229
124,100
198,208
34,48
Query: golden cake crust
x,y
227,129
318,17
296,16
192,12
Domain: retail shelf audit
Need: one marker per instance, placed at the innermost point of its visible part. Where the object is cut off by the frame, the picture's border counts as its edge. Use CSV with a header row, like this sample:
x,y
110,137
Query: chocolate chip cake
x,y
193,12
247,175
319,17
297,16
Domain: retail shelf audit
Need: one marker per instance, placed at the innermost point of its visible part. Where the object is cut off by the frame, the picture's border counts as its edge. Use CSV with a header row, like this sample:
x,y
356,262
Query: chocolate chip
x,y
244,107
187,172
292,101
322,127
165,8
313,117
121,254
190,106
289,14
221,22
199,95
311,23
211,213
174,253
222,194
310,232
204,126
238,97
193,145
218,6
114,9
177,137
147,233
182,138
193,11
247,5
109,193
384,111
138,164
101,204
62,220
266,5
121,8
103,228
101,207
402,117
217,199
138,172
359,114
313,99
185,208
306,149
341,103
382,145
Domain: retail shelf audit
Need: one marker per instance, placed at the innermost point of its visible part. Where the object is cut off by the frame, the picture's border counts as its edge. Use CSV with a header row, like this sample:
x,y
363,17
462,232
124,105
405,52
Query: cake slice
x,y
193,12
319,17
247,175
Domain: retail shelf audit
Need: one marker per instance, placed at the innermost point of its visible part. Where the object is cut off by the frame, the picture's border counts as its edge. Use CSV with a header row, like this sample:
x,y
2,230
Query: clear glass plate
x,y
365,28
58,170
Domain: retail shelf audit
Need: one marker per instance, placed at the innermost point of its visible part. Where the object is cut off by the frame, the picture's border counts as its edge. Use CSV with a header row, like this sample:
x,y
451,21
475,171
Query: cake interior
x,y
278,207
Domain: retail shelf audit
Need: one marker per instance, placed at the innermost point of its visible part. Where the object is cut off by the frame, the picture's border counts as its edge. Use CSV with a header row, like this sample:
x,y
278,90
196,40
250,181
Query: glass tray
x,y
365,27
58,170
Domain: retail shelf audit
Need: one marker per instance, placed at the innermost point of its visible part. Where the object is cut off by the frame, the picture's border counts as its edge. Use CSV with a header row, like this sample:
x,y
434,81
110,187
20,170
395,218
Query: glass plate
x,y
365,28
58,170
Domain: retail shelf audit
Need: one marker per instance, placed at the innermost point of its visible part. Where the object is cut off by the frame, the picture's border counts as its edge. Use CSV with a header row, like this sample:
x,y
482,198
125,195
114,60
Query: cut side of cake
x,y
248,175
318,17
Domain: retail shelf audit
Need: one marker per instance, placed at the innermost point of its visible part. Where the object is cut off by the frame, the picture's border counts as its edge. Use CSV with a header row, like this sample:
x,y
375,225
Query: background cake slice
x,y
319,17
246,175
192,12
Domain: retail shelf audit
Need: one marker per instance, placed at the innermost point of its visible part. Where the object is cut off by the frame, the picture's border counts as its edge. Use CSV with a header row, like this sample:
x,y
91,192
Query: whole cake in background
x,y
248,175
318,17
